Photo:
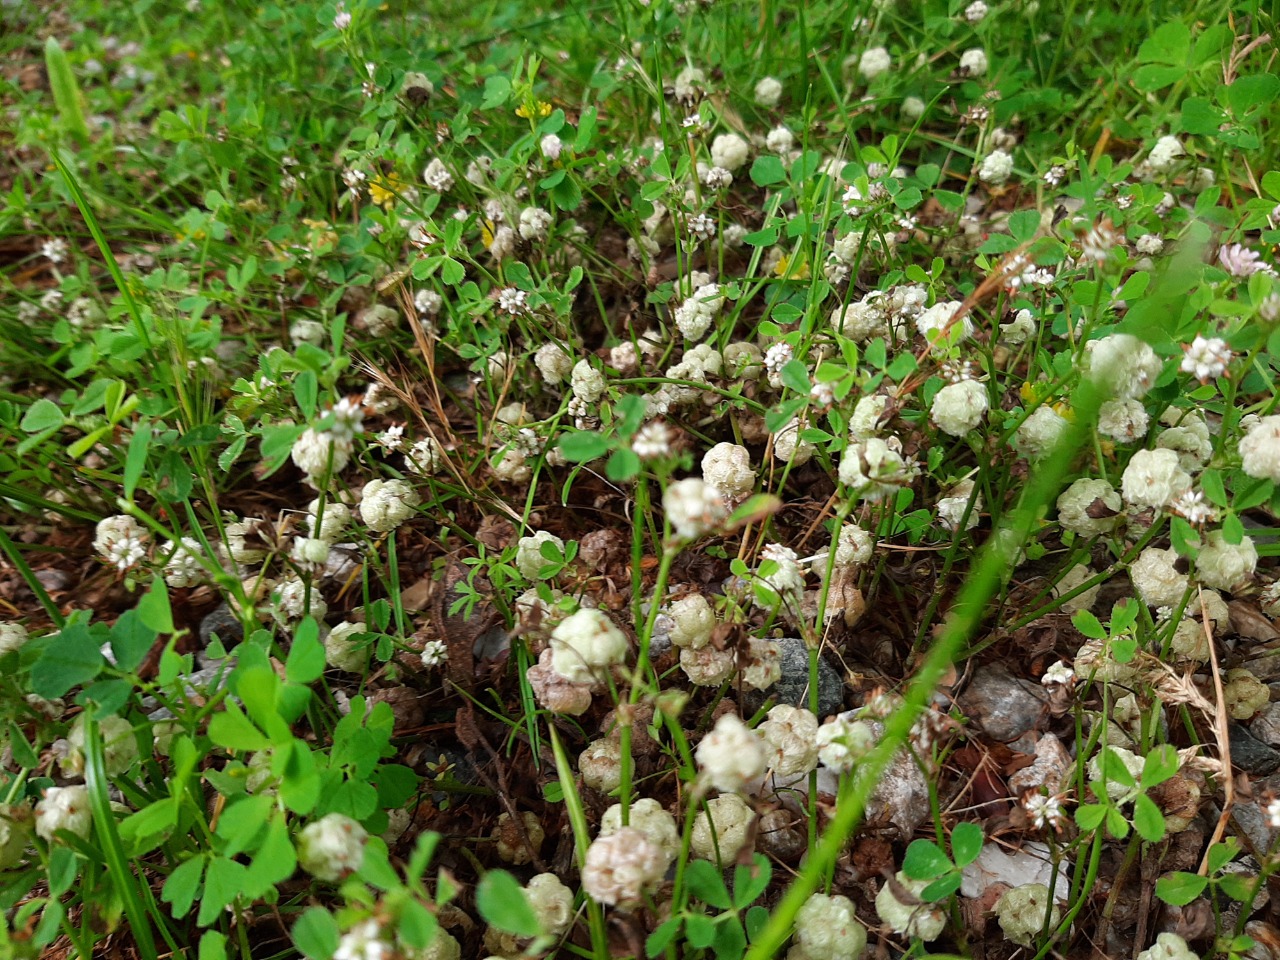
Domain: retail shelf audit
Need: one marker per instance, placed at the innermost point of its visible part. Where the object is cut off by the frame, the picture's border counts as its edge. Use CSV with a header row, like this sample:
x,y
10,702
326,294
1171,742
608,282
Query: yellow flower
x,y
383,190
486,233
541,108
787,271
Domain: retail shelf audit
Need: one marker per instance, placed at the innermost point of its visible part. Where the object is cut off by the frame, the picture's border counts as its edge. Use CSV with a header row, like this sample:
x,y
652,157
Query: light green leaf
x,y
503,904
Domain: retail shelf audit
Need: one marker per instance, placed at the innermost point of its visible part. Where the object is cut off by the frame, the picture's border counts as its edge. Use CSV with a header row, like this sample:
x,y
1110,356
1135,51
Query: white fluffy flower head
x,y
585,645
731,754
693,507
331,847
621,867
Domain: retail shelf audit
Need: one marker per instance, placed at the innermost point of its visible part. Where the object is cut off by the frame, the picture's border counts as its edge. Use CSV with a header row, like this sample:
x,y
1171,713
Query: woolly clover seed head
x,y
1039,433
1089,507
1156,579
1243,694
1122,365
621,867
343,650
1021,329
1123,420
973,62
828,928
874,469
1164,155
120,747
553,363
650,818
309,554
529,558
790,447
511,847
787,575
723,829
306,331
587,383
692,620
762,666
854,545
708,666
289,601
1169,946
995,167
768,92
843,741
333,521
730,151
1118,792
860,321
959,407
443,946
931,323
385,504
64,808
12,637
535,223
600,765
1259,450
1153,478
1223,565
552,901
913,918
1077,575
332,847
952,507
585,645
551,146
874,62
731,754
424,458
790,735
320,454
1022,912
693,507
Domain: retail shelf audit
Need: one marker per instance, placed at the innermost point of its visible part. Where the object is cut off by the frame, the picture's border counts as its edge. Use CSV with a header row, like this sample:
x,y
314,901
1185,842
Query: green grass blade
x,y
122,877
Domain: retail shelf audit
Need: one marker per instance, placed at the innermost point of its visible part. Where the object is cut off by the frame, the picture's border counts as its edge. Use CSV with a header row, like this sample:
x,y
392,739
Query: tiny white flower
x,y
1045,811
437,176
1206,358
434,653
54,249
392,438
975,11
